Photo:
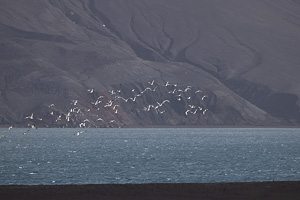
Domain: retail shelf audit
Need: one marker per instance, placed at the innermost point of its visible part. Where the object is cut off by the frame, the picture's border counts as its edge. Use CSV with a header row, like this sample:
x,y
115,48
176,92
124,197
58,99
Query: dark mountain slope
x,y
245,44
212,62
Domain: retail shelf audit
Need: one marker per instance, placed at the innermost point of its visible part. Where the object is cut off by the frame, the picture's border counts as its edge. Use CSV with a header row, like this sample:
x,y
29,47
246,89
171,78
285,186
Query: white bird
x,y
187,111
76,109
161,112
52,113
122,98
40,119
189,98
33,126
132,90
165,101
100,119
146,90
51,105
10,127
192,106
178,99
198,91
194,112
86,120
90,91
203,97
167,83
75,102
115,106
204,111
172,91
108,104
112,121
82,124
133,99
100,97
112,92
29,117
186,89
96,102
58,118
150,106
116,111
151,83
153,90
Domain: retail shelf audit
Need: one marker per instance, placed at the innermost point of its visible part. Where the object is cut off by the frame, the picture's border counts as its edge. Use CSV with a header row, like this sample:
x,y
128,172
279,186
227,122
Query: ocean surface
x,y
152,155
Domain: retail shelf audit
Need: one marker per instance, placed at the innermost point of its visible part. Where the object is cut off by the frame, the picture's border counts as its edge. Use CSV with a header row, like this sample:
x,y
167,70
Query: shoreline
x,y
162,126
175,191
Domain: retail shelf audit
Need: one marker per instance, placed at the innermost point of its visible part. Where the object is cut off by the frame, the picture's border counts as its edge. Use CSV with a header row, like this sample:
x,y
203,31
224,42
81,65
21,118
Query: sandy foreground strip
x,y
182,191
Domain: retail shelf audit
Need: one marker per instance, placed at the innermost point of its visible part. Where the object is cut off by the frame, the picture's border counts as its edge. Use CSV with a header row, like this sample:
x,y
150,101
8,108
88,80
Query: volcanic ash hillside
x,y
149,63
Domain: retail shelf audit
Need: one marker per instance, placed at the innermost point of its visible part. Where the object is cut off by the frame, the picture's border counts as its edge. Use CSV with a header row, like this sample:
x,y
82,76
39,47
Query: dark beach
x,y
260,190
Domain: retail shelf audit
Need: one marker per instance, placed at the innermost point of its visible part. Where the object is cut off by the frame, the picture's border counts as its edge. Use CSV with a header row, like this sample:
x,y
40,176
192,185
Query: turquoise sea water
x,y
153,155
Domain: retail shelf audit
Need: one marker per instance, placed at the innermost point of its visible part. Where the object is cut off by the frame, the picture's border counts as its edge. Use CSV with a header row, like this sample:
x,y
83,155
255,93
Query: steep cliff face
x,y
145,63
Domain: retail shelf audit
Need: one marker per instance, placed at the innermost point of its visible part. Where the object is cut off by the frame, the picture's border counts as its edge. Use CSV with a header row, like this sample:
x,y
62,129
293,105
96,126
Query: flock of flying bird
x,y
107,106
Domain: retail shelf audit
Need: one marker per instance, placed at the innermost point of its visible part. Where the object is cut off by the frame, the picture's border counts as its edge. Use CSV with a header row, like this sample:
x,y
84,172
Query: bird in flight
x,y
58,118
82,124
151,83
187,111
187,88
32,126
29,117
90,91
203,97
165,101
75,102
